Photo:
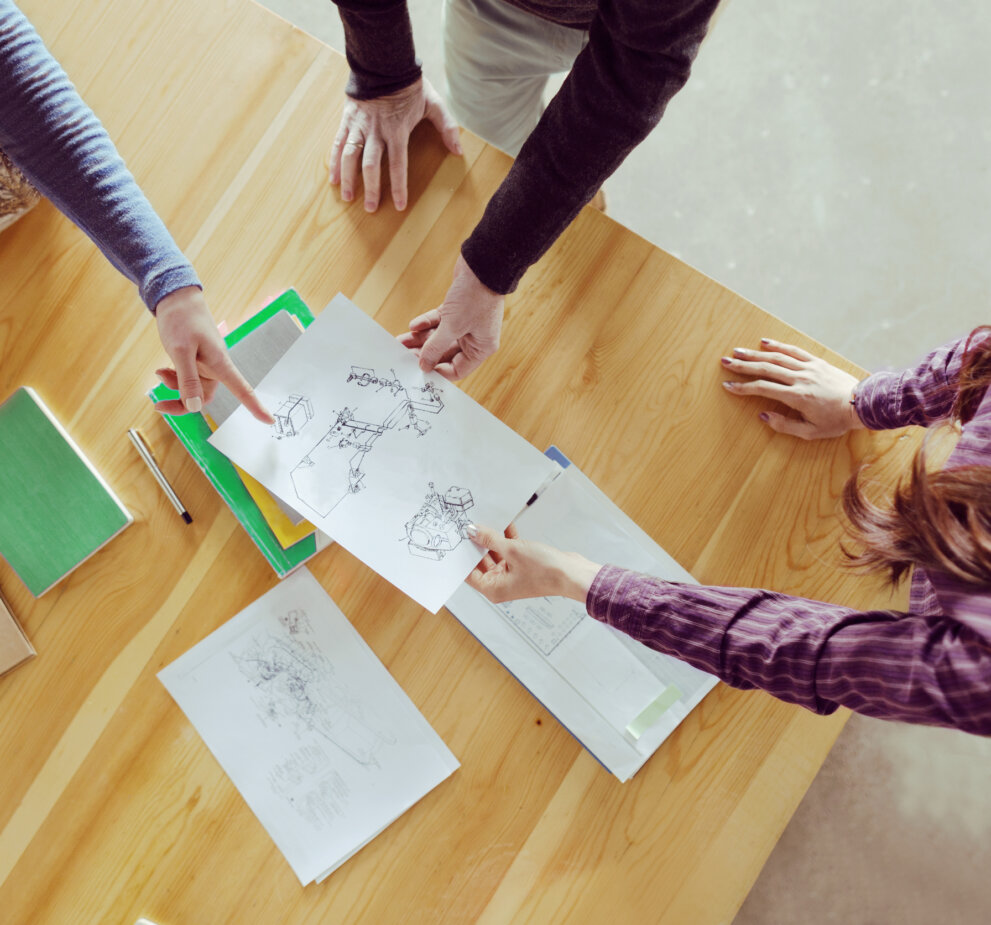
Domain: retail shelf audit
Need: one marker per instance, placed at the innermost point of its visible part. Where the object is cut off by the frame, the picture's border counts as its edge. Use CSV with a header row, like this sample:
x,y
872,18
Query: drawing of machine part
x,y
363,376
441,523
333,468
292,416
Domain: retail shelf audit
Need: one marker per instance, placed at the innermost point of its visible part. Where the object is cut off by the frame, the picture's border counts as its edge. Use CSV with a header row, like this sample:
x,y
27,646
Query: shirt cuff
x,y
606,587
166,282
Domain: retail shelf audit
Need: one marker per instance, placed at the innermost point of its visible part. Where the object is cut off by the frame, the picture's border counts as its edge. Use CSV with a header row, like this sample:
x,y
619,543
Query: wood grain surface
x,y
111,807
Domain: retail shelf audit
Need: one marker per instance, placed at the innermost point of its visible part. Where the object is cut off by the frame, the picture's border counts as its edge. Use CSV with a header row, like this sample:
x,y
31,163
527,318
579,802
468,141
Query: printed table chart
x,y
111,807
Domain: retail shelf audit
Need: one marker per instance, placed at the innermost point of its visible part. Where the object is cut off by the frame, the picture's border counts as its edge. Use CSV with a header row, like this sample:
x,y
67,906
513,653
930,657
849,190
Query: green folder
x,y
193,431
55,508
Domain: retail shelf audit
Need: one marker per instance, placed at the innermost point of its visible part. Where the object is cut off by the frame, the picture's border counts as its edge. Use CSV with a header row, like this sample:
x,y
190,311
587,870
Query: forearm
x,y
820,656
378,42
60,145
638,56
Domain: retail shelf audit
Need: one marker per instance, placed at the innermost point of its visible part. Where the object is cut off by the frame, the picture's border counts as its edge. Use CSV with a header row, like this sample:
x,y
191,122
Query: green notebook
x,y
55,508
193,431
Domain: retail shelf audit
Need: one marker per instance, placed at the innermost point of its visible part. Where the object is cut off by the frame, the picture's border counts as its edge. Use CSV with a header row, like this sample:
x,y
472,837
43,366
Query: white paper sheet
x,y
321,742
389,461
595,680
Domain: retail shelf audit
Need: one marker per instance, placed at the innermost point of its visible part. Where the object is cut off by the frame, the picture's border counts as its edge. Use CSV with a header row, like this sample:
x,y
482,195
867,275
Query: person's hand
x,y
513,568
191,340
454,339
371,128
820,393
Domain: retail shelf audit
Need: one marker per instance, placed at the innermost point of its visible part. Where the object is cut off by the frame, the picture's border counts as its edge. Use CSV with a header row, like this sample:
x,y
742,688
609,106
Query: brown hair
x,y
939,520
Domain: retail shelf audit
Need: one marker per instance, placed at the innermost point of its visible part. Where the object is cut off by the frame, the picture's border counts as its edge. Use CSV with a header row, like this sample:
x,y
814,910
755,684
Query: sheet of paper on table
x,y
620,699
324,746
391,462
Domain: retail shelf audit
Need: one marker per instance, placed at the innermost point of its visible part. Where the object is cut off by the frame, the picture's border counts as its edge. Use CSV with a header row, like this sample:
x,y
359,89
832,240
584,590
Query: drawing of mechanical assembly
x,y
334,467
292,416
441,523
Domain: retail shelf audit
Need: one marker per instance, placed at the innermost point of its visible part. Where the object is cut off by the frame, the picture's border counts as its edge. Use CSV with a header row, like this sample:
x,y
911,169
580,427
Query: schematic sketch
x,y
292,416
542,624
333,467
293,686
441,523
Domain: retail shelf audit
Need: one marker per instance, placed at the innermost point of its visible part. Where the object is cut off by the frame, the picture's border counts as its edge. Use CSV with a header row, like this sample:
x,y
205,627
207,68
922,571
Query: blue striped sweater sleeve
x,y
55,139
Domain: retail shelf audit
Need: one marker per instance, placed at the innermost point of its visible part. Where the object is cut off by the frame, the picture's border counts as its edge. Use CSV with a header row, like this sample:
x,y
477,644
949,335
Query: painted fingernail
x,y
346,195
764,416
729,386
369,206
726,361
765,340
193,404
472,531
739,352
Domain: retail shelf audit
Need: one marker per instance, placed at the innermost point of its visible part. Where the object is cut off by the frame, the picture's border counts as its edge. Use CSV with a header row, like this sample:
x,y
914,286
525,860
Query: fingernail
x,y
764,416
193,404
459,150
765,340
472,531
369,206
400,205
346,195
726,361
729,386
738,351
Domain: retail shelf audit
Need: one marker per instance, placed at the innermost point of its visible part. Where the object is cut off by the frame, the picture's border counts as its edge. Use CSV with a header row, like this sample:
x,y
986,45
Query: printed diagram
x,y
440,524
333,467
540,623
292,416
294,687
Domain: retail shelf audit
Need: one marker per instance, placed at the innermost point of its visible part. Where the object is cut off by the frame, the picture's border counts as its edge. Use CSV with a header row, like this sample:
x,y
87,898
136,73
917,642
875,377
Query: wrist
x,y
577,575
177,298
851,408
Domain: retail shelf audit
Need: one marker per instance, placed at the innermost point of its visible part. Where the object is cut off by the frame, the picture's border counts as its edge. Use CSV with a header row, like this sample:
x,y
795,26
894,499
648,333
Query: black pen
x,y
146,455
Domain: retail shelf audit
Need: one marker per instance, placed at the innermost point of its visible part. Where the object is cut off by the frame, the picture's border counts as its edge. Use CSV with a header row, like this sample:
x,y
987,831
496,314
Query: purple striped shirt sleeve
x,y
920,669
921,395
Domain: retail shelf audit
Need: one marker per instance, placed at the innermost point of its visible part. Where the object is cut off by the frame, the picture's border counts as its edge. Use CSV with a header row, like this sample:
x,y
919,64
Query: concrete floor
x,y
830,163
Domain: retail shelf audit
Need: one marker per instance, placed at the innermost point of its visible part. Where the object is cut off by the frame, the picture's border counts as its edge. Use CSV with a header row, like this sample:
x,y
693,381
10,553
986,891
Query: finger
x,y
759,369
427,320
230,375
437,347
172,406
445,124
168,377
398,171
783,424
459,366
334,162
188,376
768,356
797,352
512,533
413,340
482,583
762,389
371,172
488,539
350,166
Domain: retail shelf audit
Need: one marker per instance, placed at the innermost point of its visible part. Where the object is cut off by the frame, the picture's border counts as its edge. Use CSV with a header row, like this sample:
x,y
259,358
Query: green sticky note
x,y
654,710
55,508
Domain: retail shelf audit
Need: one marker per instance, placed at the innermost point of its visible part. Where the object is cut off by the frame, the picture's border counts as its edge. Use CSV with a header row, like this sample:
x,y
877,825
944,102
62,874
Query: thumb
x,y
436,346
444,122
190,387
790,426
485,537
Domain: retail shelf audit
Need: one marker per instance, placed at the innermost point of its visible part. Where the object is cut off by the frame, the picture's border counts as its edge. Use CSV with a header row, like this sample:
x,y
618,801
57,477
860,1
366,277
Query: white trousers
x,y
497,60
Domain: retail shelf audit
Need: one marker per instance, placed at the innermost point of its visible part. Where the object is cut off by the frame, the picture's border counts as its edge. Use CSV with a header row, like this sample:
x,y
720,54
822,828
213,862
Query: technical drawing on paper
x,y
294,686
441,523
333,467
292,416
543,624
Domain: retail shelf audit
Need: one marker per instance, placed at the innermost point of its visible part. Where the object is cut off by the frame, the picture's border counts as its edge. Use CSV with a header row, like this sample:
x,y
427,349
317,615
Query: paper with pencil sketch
x,y
322,743
391,462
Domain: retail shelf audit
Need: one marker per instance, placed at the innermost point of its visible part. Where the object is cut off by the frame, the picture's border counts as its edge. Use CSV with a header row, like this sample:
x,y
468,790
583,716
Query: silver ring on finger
x,y
354,144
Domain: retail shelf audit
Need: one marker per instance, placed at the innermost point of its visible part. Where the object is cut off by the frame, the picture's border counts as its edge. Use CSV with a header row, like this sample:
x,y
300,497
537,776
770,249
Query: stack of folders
x,y
56,510
282,535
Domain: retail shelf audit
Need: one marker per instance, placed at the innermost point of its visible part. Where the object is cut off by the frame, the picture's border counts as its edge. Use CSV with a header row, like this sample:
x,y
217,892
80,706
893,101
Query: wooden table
x,y
111,807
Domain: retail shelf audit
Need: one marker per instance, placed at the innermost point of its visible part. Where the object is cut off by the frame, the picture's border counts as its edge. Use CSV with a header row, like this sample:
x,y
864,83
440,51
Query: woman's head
x,y
939,520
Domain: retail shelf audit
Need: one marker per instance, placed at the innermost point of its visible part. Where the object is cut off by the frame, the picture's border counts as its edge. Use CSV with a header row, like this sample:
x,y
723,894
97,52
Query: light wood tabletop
x,y
111,806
